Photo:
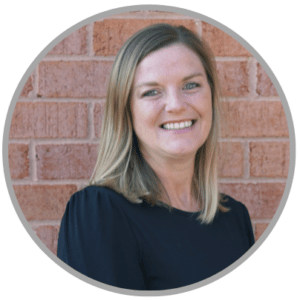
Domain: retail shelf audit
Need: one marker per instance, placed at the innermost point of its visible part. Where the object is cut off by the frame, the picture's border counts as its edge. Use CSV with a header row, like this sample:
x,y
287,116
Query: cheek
x,y
144,119
145,111
203,104
206,112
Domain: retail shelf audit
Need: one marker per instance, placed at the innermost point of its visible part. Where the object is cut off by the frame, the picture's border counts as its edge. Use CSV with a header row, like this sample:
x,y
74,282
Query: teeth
x,y
180,125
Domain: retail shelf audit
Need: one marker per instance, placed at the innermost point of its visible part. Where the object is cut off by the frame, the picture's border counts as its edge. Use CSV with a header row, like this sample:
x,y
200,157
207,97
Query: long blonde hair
x,y
120,165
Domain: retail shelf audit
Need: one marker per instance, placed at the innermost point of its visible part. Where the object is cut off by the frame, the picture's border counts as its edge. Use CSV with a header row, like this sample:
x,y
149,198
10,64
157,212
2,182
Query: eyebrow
x,y
154,83
192,75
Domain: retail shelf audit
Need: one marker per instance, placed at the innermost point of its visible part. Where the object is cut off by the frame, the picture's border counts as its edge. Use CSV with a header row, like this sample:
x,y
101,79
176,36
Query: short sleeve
x,y
96,239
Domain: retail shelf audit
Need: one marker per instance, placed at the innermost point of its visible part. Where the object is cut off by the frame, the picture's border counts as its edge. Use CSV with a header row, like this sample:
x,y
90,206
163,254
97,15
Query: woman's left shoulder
x,y
239,216
236,208
230,202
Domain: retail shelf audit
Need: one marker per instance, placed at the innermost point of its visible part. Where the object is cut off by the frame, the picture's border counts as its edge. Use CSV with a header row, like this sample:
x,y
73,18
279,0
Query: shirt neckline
x,y
185,212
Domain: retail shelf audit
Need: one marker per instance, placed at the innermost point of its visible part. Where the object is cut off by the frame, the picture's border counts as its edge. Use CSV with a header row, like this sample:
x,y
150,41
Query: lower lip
x,y
178,131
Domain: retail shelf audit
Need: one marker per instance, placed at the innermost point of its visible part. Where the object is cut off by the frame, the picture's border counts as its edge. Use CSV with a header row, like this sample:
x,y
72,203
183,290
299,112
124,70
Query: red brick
x,y
49,120
231,159
261,199
75,43
44,202
221,43
49,235
69,161
259,229
269,159
110,34
233,77
265,86
18,160
254,119
98,117
28,87
74,79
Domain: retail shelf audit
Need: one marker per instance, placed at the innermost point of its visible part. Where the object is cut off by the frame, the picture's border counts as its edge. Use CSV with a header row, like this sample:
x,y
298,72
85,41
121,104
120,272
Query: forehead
x,y
176,59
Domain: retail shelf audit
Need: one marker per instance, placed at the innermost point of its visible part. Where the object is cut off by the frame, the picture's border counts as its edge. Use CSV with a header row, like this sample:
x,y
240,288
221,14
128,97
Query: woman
x,y
152,217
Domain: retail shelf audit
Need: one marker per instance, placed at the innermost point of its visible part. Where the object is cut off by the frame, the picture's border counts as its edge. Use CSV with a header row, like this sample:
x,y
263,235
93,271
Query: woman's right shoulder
x,y
91,192
96,210
92,198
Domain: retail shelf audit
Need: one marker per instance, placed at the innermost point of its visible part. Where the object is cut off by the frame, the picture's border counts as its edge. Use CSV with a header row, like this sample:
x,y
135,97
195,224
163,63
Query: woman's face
x,y
171,103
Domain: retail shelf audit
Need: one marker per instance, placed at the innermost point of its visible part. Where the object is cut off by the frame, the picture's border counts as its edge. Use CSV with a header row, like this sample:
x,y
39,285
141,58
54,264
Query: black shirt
x,y
140,247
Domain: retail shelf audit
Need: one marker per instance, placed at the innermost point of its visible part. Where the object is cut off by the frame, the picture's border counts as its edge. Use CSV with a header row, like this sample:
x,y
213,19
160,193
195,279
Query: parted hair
x,y
120,164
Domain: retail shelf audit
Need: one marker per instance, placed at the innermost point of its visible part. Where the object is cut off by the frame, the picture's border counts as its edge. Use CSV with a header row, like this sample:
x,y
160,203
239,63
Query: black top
x,y
140,247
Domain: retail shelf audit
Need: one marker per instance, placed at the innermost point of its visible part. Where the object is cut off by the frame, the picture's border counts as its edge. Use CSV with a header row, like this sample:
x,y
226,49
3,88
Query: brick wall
x,y
55,127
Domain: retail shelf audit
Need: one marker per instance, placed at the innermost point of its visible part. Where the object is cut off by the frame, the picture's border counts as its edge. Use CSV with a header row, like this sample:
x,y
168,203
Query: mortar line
x,y
252,77
51,182
53,141
66,141
32,161
246,159
148,14
35,82
61,100
37,223
262,220
65,57
254,139
89,38
231,58
91,121
252,180
250,98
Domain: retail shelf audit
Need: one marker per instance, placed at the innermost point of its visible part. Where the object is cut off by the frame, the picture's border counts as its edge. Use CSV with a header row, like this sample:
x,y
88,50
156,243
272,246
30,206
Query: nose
x,y
175,102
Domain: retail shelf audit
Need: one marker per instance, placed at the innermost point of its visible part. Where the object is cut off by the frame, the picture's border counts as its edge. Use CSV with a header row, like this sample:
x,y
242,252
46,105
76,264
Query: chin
x,y
182,152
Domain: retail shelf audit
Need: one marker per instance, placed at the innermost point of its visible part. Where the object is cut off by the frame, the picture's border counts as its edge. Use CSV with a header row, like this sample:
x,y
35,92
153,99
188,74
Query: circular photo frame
x,y
53,126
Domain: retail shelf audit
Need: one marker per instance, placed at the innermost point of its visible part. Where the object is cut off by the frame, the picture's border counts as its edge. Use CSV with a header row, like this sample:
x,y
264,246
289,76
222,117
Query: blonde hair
x,y
120,165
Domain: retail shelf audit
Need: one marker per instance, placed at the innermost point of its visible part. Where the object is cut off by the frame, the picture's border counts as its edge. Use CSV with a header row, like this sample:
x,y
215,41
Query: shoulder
x,y
96,201
230,202
93,195
96,238
96,190
236,208
239,216
95,211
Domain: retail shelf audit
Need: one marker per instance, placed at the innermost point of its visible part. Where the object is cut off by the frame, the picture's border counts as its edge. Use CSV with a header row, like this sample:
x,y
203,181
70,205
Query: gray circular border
x,y
174,10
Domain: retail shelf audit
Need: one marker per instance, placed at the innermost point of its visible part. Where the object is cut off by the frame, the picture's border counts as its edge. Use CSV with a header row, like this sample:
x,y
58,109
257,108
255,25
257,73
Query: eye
x,y
191,85
150,93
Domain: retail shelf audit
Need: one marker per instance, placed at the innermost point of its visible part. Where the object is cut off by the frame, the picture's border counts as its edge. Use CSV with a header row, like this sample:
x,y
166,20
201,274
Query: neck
x,y
176,175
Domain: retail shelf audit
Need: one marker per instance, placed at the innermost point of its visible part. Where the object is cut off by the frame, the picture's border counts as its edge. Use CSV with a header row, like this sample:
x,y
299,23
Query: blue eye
x,y
150,93
191,85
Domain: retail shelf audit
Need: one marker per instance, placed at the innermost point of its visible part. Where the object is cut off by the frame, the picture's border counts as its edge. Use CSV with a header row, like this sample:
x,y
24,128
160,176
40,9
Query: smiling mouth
x,y
179,125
